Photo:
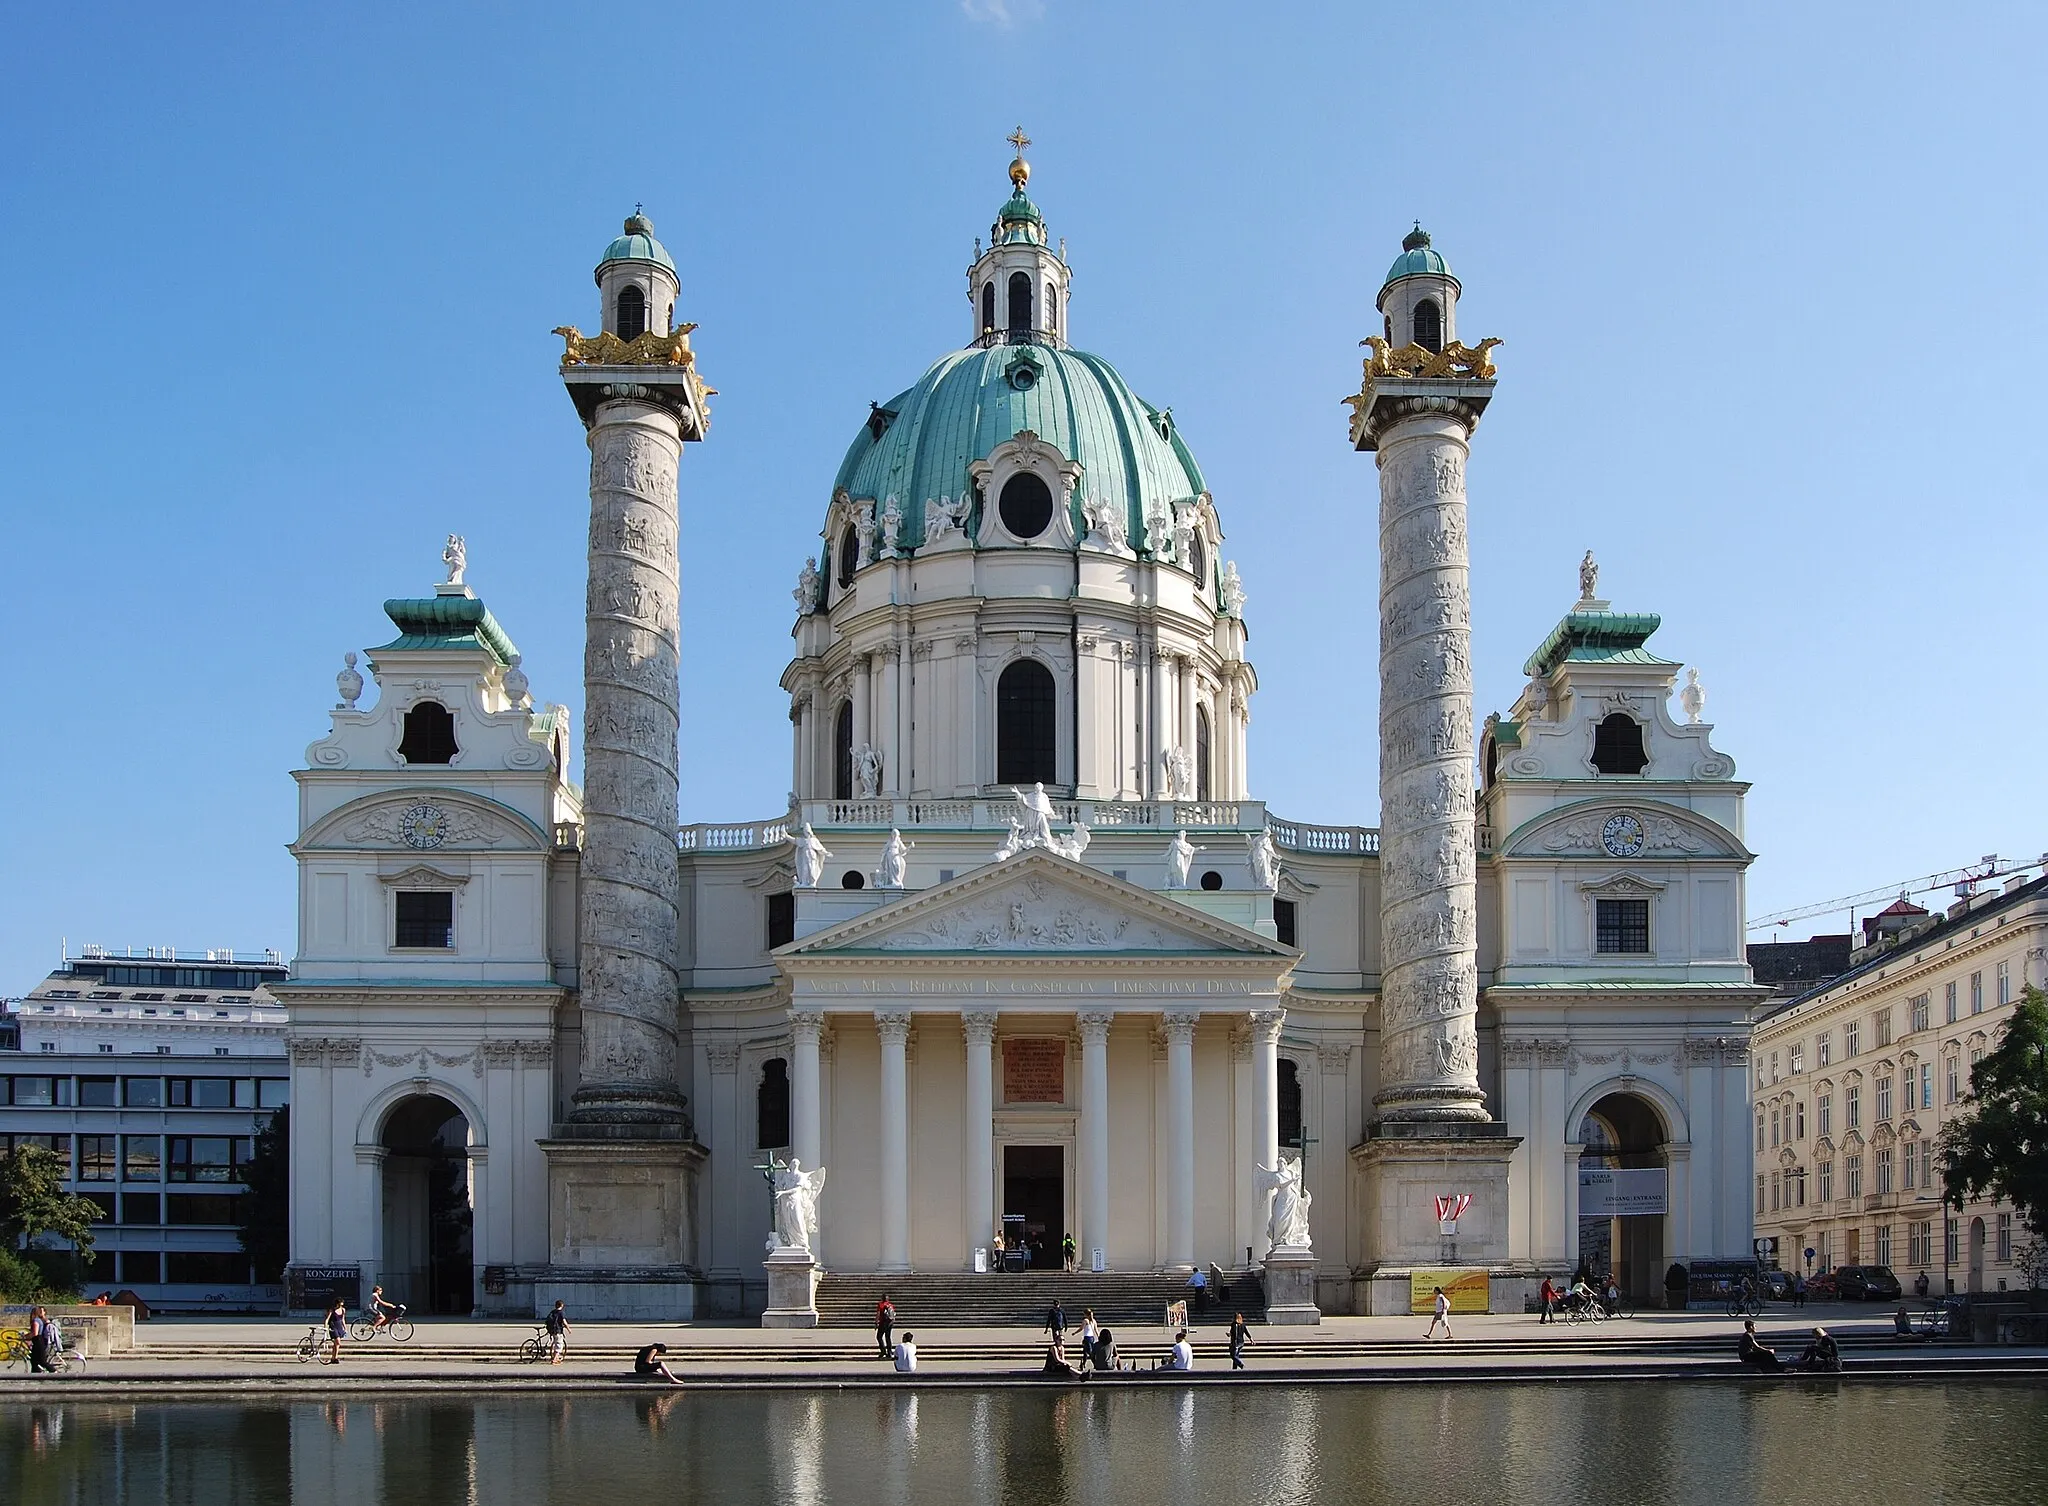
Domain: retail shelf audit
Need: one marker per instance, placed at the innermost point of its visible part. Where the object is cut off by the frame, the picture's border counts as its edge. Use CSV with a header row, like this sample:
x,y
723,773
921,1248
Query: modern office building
x,y
1854,1079
151,1073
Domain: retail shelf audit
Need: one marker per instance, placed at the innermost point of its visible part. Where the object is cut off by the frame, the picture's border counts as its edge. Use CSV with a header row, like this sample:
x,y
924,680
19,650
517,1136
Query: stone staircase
x,y
967,1299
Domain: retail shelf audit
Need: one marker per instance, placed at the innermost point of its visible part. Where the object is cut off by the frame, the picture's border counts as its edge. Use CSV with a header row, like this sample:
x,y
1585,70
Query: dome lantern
x,y
637,283
1419,298
1017,289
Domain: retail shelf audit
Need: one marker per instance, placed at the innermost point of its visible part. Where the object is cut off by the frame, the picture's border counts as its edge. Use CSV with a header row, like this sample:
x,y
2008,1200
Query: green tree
x,y
266,1207
33,1202
1998,1147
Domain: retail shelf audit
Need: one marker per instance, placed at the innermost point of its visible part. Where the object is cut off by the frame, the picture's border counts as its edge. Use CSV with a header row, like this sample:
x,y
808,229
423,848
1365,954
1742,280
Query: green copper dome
x,y
973,400
1417,257
637,244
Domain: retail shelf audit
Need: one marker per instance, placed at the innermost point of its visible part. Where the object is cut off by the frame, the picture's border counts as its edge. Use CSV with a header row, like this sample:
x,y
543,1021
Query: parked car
x,y
1821,1288
1778,1285
1867,1283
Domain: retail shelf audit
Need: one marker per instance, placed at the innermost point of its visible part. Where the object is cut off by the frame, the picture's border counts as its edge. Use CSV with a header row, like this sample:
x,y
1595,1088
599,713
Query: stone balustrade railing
x,y
1298,836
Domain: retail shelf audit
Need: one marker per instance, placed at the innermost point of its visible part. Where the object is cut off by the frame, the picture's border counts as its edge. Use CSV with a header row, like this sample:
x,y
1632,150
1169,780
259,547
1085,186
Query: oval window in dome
x,y
1026,505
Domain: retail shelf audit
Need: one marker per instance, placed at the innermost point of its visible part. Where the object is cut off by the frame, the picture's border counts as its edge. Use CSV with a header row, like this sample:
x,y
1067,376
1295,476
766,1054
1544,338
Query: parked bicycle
x,y
310,1344
366,1328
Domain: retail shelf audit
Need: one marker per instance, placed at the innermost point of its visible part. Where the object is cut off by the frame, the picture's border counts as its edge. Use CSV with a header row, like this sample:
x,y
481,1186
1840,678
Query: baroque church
x,y
1026,957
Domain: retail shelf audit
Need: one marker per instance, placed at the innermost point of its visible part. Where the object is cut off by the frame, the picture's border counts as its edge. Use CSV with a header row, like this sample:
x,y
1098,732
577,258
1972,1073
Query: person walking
x,y
1068,1252
1240,1335
337,1330
1089,1333
558,1332
1056,1319
885,1328
1442,1307
39,1358
1548,1297
1799,1288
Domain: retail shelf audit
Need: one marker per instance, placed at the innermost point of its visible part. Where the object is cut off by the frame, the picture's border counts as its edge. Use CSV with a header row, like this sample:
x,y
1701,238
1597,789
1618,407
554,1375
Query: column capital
x,y
979,1026
1179,1025
807,1022
1094,1026
1265,1025
893,1025
724,1056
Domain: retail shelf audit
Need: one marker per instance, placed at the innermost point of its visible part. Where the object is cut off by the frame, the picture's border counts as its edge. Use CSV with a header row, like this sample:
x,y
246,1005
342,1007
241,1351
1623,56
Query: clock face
x,y
1622,835
423,826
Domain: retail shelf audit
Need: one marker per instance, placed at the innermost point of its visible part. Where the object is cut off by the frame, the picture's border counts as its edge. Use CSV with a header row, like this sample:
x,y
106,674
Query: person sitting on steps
x,y
648,1364
1753,1352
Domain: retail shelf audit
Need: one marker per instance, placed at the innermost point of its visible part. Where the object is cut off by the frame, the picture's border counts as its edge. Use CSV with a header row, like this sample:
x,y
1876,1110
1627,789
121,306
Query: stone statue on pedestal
x,y
1038,822
1694,697
456,558
1231,589
895,858
796,1205
867,770
1180,852
892,525
1287,1224
806,592
864,533
1589,578
1264,861
810,856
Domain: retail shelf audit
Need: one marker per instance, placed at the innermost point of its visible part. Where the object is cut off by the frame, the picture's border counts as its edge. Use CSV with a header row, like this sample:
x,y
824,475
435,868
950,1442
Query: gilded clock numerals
x,y
1622,835
424,826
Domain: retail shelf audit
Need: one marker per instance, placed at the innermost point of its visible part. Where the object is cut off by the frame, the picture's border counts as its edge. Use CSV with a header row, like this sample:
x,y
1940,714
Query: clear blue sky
x,y
279,281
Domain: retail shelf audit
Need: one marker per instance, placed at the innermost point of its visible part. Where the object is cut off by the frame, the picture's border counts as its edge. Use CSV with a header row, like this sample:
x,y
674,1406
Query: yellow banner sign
x,y
1466,1289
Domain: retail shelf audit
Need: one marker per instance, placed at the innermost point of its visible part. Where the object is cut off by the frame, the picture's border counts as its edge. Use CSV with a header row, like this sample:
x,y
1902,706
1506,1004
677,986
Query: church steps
x,y
966,1299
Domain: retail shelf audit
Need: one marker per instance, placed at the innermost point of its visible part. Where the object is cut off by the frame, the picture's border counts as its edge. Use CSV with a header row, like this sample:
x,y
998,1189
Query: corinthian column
x,y
1429,966
626,959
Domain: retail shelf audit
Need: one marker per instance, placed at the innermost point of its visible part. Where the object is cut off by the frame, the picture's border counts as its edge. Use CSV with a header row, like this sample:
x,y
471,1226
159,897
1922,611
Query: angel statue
x,y
1072,845
456,558
1287,1225
810,856
796,1204
1013,843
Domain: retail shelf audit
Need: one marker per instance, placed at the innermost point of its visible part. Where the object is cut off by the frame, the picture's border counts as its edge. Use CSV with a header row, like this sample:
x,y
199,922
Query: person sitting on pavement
x,y
1753,1352
1822,1354
648,1364
1105,1351
1181,1356
906,1354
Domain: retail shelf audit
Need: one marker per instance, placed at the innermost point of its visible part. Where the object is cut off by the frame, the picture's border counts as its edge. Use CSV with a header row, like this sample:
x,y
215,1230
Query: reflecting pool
x,y
1725,1444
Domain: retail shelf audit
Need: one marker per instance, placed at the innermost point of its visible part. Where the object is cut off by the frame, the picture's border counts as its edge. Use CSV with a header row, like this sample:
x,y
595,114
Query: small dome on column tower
x,y
637,282
1017,289
1420,296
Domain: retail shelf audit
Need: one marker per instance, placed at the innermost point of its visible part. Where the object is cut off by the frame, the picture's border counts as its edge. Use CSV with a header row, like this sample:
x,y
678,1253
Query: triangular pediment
x,y
1040,904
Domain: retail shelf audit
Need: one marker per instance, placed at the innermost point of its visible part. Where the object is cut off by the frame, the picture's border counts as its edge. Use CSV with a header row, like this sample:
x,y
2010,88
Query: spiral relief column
x,y
1429,961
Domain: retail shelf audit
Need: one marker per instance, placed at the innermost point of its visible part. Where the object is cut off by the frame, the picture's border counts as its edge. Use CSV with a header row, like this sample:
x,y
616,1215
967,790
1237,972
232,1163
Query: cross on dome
x,y
1020,170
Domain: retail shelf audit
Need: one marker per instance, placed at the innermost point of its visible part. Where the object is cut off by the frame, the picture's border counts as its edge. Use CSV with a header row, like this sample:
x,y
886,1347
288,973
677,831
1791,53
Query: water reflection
x,y
1467,1445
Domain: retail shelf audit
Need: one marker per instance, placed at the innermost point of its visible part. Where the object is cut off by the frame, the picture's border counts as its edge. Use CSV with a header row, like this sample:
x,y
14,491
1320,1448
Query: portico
x,y
1035,1003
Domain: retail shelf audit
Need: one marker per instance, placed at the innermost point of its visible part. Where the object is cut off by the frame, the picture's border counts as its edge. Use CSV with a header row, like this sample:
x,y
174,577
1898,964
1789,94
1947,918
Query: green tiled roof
x,y
973,400
1417,257
1597,637
447,622
637,244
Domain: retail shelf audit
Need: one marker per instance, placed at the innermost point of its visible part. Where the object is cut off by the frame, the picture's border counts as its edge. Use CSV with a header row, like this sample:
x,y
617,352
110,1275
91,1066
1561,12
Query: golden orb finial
x,y
1020,170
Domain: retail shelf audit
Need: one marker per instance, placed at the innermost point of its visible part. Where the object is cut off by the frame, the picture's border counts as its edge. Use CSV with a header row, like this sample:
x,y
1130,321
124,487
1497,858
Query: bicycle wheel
x,y
308,1347
1627,1308
401,1329
531,1350
362,1330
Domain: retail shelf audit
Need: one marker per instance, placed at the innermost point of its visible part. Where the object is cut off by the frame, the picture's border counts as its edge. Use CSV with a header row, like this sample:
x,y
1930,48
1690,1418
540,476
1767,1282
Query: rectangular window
x,y
1884,1244
1824,1247
1948,998
1909,1168
1852,1106
32,1092
142,1092
1759,1192
1884,1099
1799,1186
1774,1066
273,1092
208,1267
1827,1184
97,1092
1881,1027
426,919
1759,1129
1927,1085
104,1202
1823,1047
142,1208
1927,1164
202,1208
1797,1060
1919,1236
1852,1176
1920,1012
1799,1121
96,1158
1852,1039
781,919
140,1267
142,1158
1824,1107
1951,1075
1774,1129
1976,993
1621,925
202,1158
202,1092
2005,982
1949,1241
1777,1189
2004,1239
1884,1179
1284,922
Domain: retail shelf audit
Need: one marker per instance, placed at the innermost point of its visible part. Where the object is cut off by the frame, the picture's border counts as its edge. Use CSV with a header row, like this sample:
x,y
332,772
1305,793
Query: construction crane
x,y
1961,882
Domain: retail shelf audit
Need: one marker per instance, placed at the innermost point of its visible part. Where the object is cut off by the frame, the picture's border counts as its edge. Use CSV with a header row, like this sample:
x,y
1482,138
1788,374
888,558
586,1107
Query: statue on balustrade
x,y
810,856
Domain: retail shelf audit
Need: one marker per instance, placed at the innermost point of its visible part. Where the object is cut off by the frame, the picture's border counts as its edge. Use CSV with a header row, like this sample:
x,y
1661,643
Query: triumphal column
x,y
622,1165
1421,398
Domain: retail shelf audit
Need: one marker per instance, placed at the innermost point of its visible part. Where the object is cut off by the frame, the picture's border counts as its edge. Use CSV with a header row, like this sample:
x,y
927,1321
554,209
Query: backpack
x,y
886,1314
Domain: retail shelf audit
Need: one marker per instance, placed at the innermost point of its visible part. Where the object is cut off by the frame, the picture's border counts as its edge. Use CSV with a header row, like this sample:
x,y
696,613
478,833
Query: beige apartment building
x,y
1855,1077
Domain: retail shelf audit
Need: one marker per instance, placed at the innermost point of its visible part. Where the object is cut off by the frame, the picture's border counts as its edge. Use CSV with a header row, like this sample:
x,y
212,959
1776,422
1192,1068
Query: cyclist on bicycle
x,y
1581,1295
1610,1295
382,1309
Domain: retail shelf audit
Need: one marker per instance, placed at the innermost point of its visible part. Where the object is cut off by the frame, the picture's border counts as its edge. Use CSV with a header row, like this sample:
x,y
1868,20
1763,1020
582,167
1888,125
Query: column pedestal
x,y
792,1290
622,1242
1291,1286
1403,1168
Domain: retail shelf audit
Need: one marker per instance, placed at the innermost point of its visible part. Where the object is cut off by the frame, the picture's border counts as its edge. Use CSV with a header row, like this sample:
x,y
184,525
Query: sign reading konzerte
x,y
1609,1192
1467,1290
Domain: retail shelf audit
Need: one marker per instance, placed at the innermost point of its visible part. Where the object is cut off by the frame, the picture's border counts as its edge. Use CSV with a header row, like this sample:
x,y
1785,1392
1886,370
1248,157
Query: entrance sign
x,y
1467,1289
1034,1071
1610,1192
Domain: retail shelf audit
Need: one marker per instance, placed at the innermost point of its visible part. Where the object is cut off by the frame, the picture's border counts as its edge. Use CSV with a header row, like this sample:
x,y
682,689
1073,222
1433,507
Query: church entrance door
x,y
1035,1200
426,1206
